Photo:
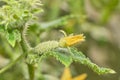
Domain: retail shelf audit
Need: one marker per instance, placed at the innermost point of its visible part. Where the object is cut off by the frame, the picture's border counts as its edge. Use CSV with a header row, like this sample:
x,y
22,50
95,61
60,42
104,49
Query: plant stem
x,y
11,64
26,48
31,69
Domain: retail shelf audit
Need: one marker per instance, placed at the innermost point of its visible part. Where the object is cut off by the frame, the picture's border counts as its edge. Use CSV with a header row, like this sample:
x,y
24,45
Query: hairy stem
x,y
24,33
26,49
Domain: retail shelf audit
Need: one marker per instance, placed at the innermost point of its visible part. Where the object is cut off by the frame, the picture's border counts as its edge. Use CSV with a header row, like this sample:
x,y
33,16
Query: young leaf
x,y
11,39
63,58
13,36
80,57
17,35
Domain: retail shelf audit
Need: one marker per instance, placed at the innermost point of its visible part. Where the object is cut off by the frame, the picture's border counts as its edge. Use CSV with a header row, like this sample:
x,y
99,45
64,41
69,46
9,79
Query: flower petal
x,y
66,74
71,40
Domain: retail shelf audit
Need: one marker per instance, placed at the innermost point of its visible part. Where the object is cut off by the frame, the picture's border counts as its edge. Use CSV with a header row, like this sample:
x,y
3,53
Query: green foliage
x,y
107,11
58,22
63,58
80,57
13,36
67,56
77,7
106,8
16,16
16,13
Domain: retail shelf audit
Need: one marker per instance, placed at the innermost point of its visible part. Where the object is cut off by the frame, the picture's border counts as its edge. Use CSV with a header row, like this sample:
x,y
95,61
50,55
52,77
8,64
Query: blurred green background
x,y
99,20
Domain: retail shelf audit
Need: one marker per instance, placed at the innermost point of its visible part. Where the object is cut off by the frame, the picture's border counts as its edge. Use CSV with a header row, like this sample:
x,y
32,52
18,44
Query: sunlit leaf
x,y
80,57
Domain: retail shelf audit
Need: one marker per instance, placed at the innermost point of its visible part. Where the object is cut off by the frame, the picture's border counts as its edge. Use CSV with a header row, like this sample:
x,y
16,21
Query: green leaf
x,y
107,10
63,58
57,23
80,57
11,39
13,36
17,35
1,29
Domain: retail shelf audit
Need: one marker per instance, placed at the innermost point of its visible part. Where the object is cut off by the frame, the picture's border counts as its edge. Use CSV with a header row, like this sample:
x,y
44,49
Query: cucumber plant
x,y
17,16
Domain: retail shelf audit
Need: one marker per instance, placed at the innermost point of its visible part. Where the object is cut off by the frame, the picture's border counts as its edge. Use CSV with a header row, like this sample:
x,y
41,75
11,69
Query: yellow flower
x,y
71,40
80,77
67,75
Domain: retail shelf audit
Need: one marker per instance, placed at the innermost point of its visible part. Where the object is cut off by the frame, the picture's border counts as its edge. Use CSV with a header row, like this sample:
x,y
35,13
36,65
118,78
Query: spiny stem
x,y
24,33
26,48
11,64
